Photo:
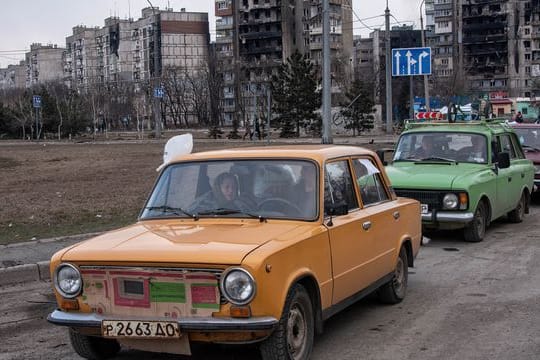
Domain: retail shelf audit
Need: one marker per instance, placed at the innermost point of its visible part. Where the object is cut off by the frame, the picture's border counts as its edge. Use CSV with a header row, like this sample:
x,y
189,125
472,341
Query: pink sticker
x,y
203,294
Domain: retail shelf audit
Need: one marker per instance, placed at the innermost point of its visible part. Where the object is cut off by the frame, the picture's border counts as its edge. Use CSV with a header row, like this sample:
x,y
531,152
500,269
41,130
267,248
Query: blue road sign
x,y
411,61
36,101
159,92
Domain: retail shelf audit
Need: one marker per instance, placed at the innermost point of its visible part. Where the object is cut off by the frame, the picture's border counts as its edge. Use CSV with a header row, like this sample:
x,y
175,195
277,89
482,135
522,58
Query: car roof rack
x,y
409,124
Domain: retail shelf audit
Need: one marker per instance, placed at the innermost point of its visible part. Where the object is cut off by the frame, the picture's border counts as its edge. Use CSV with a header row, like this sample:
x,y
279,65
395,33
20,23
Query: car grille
x,y
216,272
432,198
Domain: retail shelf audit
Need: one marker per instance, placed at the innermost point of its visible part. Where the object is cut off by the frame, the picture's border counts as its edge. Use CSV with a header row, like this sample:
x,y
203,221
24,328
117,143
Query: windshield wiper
x,y
174,211
436,158
223,211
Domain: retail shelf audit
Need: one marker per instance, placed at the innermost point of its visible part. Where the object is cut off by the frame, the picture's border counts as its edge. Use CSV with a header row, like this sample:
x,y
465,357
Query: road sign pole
x,y
411,98
37,121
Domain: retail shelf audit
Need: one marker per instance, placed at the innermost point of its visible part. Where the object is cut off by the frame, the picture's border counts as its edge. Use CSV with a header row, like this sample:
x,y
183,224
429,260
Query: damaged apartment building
x,y
493,46
254,37
125,50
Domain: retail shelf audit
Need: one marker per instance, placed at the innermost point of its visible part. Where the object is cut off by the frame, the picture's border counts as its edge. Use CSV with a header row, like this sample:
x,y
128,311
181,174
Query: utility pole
x,y
389,129
426,82
156,77
326,85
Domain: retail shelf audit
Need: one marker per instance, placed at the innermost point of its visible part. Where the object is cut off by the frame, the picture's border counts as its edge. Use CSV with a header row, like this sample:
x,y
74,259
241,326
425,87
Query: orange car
x,y
239,246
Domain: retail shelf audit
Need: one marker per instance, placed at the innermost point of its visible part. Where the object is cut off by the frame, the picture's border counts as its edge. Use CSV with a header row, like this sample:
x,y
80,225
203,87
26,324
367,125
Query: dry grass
x,y
60,189
54,189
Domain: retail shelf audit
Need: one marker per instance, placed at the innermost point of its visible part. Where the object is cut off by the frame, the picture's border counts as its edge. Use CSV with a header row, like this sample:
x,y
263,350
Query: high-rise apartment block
x,y
43,63
127,50
254,37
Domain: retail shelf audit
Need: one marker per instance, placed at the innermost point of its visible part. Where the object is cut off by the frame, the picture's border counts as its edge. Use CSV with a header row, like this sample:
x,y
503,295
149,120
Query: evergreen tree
x,y
358,108
295,96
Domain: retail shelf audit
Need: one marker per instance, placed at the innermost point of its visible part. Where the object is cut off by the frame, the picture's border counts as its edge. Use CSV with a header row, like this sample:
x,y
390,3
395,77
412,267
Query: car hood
x,y
181,242
410,175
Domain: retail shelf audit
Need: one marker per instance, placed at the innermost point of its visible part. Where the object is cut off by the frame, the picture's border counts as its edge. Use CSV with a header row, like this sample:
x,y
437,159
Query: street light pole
x,y
388,49
326,82
155,78
426,82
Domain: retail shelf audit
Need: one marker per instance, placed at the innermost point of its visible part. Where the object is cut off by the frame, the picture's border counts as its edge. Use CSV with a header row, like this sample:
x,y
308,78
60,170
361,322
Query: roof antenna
x,y
129,9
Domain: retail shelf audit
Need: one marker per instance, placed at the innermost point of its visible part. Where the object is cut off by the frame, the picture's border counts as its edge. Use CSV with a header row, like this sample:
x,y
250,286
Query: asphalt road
x,y
465,301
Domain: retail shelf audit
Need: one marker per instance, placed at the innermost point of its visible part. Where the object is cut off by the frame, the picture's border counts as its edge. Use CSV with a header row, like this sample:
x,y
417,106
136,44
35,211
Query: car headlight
x,y
450,201
238,286
67,280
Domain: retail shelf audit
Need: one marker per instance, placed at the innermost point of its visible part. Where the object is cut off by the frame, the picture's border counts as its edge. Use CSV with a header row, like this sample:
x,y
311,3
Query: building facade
x,y
13,77
254,37
124,50
43,63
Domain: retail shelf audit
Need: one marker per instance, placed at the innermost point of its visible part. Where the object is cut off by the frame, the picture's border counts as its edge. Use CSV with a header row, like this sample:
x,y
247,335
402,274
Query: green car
x,y
465,175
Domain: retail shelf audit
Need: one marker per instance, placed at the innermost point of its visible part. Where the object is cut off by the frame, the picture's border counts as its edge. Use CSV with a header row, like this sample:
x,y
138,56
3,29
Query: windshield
x,y
529,137
442,146
281,189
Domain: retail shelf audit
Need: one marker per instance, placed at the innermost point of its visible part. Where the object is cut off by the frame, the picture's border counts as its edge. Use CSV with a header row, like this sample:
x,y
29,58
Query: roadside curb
x,y
38,271
23,274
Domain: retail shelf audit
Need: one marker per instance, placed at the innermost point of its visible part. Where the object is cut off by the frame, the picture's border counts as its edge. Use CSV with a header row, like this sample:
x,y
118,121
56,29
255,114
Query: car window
x,y
285,189
529,137
517,147
338,186
442,146
505,144
368,179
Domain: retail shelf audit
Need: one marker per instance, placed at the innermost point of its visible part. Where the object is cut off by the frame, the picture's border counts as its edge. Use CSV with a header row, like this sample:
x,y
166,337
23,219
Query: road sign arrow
x,y
422,55
397,56
408,55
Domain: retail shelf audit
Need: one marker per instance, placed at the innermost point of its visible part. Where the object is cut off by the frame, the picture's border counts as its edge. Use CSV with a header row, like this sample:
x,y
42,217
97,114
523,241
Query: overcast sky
x,y
49,22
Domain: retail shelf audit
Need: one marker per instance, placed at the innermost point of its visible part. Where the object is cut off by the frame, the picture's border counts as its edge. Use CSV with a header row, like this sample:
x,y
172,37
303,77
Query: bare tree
x,y
21,107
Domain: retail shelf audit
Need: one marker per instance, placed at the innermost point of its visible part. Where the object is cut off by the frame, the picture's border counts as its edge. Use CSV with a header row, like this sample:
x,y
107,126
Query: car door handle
x,y
367,225
522,175
509,179
396,215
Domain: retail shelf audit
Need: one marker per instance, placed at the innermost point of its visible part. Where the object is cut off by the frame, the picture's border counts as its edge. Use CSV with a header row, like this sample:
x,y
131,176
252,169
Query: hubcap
x,y
399,276
296,332
480,223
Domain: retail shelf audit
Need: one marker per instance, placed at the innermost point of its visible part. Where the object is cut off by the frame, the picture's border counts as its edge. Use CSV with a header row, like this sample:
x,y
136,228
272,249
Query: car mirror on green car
x,y
503,160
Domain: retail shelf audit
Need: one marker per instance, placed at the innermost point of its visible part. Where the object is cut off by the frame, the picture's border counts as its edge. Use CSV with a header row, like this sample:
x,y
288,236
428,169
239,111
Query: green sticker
x,y
167,292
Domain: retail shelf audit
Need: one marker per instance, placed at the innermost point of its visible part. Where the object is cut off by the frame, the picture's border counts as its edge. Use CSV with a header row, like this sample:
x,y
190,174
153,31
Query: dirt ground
x,y
54,189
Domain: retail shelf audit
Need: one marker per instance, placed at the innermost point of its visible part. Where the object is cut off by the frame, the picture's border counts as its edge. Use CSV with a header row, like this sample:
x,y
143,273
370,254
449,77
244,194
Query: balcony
x,y
255,35
260,50
482,39
224,39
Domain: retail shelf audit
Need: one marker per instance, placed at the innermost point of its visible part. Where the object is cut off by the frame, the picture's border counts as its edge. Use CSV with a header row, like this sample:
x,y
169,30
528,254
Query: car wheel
x,y
293,337
476,229
93,347
395,290
517,215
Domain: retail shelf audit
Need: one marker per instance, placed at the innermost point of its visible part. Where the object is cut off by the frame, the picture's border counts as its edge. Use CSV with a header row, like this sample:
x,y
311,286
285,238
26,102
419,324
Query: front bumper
x,y
206,324
447,217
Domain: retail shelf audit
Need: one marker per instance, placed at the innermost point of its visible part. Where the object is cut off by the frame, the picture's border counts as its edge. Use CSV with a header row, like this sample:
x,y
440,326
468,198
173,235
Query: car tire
x,y
93,347
394,291
517,215
293,337
476,229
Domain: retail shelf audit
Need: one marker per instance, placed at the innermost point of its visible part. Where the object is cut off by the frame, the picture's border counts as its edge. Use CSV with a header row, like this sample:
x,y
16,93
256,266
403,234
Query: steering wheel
x,y
280,205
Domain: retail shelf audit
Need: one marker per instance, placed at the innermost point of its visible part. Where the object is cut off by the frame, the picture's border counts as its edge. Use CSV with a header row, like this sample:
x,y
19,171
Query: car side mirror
x,y
503,160
381,153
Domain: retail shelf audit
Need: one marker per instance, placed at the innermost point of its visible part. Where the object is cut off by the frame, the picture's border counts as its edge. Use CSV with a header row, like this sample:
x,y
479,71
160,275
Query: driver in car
x,y
224,195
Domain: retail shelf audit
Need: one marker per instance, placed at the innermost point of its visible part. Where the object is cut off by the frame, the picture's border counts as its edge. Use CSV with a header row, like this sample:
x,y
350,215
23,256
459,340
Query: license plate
x,y
139,329
424,208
